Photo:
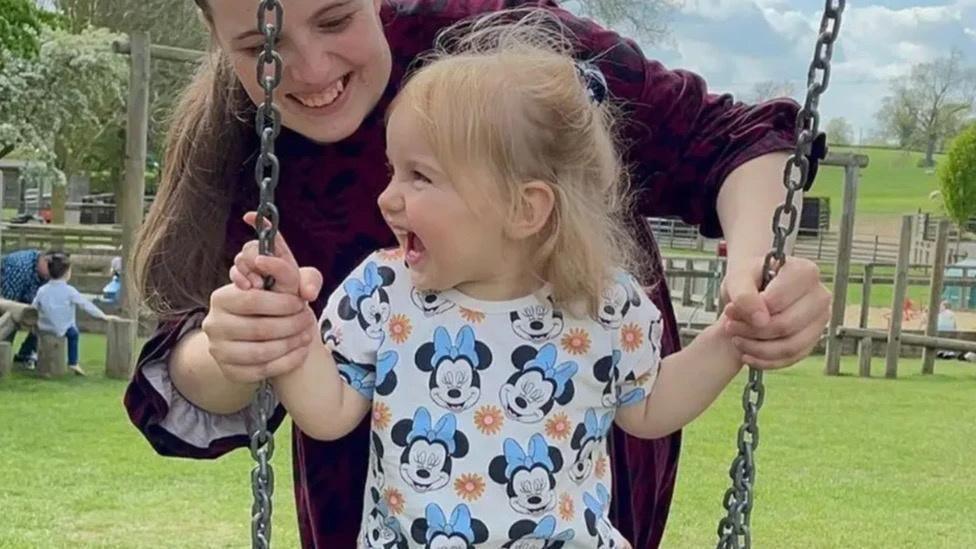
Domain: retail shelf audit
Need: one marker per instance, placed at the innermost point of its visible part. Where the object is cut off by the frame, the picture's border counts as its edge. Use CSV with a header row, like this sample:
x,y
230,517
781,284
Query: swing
x,y
733,529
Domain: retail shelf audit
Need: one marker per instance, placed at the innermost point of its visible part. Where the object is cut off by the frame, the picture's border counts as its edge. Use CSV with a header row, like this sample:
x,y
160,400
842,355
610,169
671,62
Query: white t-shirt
x,y
489,419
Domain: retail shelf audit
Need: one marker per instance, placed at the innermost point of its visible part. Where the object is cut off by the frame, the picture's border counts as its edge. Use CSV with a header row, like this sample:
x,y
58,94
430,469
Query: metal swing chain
x,y
266,171
733,529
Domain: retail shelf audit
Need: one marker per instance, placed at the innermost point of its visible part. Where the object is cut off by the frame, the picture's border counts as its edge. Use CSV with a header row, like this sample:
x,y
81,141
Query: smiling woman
x,y
691,154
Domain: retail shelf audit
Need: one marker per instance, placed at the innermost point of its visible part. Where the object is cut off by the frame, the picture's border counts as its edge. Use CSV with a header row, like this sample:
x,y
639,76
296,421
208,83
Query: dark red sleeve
x,y
148,400
682,141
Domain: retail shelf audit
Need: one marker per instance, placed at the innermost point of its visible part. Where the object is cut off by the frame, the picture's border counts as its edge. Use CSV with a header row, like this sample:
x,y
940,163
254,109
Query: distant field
x,y
892,185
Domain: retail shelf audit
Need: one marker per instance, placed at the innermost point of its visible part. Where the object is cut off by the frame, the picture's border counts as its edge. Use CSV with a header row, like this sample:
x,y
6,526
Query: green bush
x,y
957,177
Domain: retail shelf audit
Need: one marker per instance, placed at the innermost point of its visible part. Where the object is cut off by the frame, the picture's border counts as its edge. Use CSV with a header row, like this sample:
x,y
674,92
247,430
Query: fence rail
x,y
74,239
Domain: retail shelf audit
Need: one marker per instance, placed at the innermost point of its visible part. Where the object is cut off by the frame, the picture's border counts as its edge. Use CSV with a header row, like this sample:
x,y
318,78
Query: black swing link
x,y
266,171
733,529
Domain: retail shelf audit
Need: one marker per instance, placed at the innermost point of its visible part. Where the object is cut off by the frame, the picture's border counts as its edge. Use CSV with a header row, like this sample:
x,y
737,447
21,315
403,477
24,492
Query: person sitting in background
x,y
56,302
21,274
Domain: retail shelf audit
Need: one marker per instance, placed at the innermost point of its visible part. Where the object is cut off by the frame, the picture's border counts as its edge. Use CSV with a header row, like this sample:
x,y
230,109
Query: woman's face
x,y
336,61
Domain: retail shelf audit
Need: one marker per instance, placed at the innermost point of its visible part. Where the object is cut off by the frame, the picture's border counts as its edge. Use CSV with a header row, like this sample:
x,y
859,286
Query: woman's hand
x,y
253,333
778,327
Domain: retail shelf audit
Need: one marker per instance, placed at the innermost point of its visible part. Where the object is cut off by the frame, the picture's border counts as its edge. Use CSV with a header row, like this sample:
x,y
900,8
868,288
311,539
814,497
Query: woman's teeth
x,y
323,98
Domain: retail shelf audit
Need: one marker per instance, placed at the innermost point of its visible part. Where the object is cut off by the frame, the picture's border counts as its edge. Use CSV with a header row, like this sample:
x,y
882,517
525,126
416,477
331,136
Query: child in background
x,y
55,303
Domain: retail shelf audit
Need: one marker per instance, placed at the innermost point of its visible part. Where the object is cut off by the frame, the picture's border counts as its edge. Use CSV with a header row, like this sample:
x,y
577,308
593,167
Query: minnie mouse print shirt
x,y
489,419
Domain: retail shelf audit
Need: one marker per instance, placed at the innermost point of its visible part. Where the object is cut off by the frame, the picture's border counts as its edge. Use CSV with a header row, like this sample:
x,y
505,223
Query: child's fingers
x,y
239,279
310,283
244,262
286,276
282,249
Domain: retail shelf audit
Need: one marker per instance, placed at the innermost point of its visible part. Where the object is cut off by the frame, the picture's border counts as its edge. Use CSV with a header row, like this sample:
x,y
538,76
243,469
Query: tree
x,y
645,19
938,95
898,118
168,22
957,177
63,104
770,89
840,132
21,23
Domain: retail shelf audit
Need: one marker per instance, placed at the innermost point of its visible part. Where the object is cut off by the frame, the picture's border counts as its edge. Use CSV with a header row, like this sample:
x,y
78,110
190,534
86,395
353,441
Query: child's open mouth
x,y
415,249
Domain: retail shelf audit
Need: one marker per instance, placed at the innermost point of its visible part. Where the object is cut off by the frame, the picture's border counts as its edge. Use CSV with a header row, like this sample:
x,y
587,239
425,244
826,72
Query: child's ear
x,y
536,200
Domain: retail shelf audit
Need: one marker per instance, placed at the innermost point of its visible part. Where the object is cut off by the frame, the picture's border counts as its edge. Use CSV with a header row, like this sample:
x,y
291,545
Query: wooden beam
x,y
935,294
842,270
22,313
893,350
134,188
7,325
6,358
167,53
914,340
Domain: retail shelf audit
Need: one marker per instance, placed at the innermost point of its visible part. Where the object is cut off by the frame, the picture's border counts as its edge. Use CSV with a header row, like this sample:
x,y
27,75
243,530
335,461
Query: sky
x,y
736,43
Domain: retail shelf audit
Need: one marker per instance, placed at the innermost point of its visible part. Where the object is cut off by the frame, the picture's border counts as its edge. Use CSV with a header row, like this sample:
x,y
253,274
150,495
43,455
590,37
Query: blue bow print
x,y
463,347
601,503
443,432
360,379
460,522
594,428
538,454
545,361
547,527
356,289
384,365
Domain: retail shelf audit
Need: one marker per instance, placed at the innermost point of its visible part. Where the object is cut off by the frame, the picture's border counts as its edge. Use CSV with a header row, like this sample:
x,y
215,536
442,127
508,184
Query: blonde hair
x,y
501,96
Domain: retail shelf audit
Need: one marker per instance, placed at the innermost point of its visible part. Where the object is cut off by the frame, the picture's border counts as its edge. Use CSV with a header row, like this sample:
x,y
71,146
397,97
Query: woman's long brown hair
x,y
179,258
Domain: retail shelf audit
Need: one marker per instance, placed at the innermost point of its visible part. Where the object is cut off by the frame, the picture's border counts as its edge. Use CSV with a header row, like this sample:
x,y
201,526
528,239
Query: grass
x,y
891,185
844,462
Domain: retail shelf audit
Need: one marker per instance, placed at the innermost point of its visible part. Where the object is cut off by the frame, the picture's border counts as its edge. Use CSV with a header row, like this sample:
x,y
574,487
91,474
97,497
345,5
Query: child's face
x,y
445,242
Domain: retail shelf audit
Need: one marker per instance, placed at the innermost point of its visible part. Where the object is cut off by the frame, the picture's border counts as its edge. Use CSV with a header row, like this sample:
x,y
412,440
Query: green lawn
x,y
844,462
892,184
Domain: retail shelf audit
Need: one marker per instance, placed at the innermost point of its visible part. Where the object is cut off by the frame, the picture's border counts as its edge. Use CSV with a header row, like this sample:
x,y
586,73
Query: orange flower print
x,y
576,342
381,416
470,487
600,469
489,419
475,317
631,337
558,427
566,507
391,254
394,500
400,328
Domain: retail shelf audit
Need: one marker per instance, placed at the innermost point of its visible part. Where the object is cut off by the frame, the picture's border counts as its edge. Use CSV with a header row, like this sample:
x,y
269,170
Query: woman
x,y
715,163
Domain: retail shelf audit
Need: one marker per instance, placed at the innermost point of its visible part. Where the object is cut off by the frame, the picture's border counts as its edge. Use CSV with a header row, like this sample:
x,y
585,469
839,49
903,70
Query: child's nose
x,y
390,199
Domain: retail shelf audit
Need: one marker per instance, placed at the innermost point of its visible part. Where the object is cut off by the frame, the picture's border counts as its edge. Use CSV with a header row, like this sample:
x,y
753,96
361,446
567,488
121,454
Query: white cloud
x,y
737,43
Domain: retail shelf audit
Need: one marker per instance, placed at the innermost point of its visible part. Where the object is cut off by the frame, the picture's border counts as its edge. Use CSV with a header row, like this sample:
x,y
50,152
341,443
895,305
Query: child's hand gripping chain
x,y
306,378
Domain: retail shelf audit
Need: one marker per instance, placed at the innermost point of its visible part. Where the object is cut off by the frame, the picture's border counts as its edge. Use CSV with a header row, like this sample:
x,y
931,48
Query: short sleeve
x,y
638,340
354,322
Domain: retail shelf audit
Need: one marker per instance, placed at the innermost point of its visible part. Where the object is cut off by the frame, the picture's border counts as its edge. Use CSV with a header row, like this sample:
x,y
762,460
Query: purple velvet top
x,y
682,142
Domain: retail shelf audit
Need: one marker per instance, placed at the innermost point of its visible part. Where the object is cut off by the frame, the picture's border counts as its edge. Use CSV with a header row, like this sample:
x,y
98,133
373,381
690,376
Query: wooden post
x,y
120,348
7,325
842,270
668,267
6,358
898,300
711,288
935,294
865,350
52,355
866,295
134,189
687,286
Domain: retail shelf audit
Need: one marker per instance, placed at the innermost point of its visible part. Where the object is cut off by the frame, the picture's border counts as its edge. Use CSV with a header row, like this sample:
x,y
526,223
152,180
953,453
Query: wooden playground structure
x,y
698,289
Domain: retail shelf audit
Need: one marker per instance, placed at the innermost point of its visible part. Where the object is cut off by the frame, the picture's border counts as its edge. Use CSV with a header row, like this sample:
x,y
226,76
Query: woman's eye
x,y
335,25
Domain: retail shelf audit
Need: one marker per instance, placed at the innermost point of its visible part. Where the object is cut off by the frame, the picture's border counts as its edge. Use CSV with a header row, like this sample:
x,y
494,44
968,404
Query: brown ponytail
x,y
179,258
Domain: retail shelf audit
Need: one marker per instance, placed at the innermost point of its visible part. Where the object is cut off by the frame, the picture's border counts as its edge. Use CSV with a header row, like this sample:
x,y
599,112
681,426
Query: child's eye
x,y
417,176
